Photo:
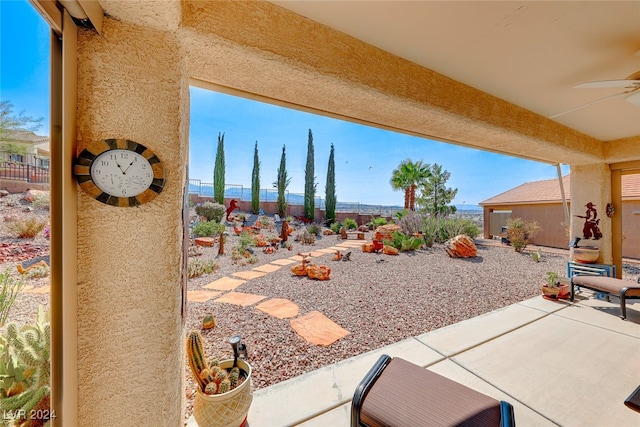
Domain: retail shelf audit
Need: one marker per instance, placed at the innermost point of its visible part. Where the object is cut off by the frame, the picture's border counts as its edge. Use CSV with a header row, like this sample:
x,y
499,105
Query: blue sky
x,y
364,156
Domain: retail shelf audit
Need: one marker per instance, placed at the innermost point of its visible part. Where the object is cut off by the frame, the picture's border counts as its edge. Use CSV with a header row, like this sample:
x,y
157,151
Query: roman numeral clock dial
x,y
119,172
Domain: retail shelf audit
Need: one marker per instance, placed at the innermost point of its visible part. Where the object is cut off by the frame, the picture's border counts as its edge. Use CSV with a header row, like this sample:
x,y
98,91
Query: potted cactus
x,y
224,391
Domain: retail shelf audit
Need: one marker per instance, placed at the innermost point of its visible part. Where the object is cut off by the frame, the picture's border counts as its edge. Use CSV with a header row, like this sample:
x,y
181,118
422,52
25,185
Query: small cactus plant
x,y
210,377
208,321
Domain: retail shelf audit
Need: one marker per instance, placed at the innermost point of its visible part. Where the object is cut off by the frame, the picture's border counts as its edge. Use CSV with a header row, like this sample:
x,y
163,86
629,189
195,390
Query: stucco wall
x,y
592,184
131,85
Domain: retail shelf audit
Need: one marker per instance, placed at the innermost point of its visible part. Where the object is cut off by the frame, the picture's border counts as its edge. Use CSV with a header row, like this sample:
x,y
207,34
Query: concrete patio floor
x,y
557,363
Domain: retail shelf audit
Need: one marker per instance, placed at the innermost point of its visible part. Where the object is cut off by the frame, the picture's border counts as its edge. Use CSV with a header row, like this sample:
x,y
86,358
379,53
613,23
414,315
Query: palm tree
x,y
406,177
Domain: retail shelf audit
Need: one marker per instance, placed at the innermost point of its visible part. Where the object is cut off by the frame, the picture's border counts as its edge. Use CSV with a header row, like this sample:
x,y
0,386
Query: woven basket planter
x,y
227,409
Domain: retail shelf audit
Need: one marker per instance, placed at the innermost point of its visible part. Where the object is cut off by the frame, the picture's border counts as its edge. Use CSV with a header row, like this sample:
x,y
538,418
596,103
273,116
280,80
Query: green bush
x,y
451,227
211,211
429,228
335,227
314,229
349,224
208,229
404,243
379,222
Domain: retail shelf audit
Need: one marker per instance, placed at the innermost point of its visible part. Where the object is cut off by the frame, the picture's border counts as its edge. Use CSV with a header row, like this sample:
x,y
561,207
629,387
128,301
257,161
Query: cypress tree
x,y
309,182
330,190
218,172
255,182
282,183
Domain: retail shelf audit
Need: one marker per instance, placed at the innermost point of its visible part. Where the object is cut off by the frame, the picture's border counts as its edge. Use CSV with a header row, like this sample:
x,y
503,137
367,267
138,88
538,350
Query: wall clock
x,y
119,172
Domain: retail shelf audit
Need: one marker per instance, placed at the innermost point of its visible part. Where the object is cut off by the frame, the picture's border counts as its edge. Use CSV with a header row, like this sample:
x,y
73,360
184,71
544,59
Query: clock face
x,y
119,172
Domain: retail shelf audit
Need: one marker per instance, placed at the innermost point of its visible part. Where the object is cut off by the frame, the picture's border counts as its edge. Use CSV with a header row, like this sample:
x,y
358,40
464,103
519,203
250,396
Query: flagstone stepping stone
x,y
268,268
280,308
201,296
248,275
239,298
316,253
318,329
224,284
285,261
41,290
327,251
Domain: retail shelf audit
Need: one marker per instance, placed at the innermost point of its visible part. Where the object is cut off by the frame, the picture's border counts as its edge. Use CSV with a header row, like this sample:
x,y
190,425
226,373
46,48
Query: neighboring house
x,y
542,201
26,167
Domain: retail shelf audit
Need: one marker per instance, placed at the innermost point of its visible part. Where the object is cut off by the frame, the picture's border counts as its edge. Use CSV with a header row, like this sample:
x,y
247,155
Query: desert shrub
x,y
314,229
410,222
429,228
349,224
208,229
267,223
197,267
520,231
37,272
246,241
449,228
212,211
9,288
336,226
27,228
404,243
41,200
378,222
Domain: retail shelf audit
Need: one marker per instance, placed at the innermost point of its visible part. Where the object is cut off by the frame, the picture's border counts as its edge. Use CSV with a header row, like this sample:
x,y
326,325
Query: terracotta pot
x,y
551,292
228,409
585,254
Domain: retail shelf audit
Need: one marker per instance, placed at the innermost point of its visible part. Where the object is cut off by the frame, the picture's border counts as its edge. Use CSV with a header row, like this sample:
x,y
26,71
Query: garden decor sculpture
x,y
591,221
233,205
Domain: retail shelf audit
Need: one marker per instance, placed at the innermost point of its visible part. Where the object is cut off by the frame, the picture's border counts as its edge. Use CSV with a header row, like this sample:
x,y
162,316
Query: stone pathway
x,y
314,327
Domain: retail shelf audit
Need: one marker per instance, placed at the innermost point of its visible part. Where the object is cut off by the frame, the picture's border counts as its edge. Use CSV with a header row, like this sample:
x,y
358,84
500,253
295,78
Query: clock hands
x,y
125,171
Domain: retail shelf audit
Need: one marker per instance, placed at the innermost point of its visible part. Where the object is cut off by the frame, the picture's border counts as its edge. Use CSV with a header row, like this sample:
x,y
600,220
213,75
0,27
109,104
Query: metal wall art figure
x,y
590,230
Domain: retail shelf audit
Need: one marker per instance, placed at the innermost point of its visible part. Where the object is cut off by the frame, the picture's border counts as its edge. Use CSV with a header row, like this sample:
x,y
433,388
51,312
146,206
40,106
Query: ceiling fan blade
x,y
609,83
615,95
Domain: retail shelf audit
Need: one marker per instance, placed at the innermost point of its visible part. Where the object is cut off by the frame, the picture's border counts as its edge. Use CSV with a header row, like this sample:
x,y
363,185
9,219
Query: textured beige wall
x,y
132,85
592,183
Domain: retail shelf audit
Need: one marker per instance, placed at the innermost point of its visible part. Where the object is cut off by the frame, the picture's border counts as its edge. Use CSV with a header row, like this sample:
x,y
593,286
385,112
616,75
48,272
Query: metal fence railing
x,y
240,192
23,172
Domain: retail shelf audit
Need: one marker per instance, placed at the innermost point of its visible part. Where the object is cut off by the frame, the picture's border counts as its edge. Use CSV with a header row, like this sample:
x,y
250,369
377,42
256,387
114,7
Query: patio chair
x,y
398,393
623,289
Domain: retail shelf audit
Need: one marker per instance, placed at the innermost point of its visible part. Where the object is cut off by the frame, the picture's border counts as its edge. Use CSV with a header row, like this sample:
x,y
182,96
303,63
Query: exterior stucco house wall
x,y
542,201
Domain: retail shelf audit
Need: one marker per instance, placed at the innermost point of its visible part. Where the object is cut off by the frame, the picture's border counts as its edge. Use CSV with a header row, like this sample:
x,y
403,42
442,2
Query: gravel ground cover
x,y
379,299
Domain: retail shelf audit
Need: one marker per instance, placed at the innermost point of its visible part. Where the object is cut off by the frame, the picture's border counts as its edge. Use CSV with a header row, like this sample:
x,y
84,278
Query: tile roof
x,y
548,190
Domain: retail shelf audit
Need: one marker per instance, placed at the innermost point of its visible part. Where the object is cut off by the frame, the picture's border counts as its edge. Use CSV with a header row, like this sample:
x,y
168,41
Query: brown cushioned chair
x,y
623,289
397,393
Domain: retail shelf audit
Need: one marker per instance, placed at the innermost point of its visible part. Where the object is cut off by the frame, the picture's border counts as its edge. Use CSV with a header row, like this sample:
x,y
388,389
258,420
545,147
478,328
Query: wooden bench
x,y
344,234
623,289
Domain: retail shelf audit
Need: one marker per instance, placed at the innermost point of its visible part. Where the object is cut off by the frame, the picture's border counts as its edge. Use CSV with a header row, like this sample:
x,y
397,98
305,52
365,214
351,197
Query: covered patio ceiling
x,y
483,74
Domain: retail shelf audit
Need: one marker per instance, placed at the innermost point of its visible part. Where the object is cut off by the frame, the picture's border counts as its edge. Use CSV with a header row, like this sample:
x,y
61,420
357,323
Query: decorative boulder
x,y
461,246
389,250
385,231
204,241
318,272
